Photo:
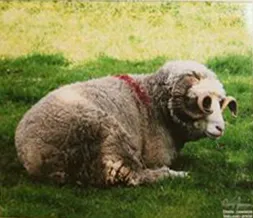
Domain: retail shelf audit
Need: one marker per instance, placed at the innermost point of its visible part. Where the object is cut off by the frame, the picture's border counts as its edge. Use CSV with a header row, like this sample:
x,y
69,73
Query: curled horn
x,y
232,105
204,103
179,92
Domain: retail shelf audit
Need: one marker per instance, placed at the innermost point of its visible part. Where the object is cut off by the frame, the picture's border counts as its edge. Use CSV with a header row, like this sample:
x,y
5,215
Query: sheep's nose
x,y
219,128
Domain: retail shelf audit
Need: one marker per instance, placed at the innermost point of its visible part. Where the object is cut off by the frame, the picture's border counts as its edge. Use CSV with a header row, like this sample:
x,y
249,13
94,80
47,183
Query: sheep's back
x,y
116,98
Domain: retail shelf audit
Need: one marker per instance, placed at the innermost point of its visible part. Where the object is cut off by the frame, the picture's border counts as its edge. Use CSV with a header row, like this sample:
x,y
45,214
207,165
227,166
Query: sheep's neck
x,y
137,88
160,95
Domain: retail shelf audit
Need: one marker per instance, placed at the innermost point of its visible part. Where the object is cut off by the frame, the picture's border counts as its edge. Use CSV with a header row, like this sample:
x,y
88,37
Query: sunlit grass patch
x,y
126,30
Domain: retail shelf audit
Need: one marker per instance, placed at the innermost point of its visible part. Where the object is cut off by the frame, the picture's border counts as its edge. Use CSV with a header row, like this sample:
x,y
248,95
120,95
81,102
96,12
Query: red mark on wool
x,y
140,91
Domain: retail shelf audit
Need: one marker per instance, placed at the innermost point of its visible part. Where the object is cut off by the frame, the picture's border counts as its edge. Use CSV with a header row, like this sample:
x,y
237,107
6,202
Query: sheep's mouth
x,y
212,136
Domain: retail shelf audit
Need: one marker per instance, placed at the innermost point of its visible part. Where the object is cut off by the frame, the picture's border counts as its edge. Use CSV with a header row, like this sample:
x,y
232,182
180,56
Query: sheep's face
x,y
197,98
209,97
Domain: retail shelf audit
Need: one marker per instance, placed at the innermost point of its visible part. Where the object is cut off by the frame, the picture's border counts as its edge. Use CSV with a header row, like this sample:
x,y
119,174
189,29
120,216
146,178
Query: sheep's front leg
x,y
118,172
122,162
154,175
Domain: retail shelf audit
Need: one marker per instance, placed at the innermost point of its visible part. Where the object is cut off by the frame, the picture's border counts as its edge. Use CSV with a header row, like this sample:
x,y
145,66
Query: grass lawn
x,y
46,45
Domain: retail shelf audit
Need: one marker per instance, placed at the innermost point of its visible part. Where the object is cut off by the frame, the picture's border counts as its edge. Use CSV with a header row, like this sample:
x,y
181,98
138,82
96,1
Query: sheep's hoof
x,y
185,175
179,174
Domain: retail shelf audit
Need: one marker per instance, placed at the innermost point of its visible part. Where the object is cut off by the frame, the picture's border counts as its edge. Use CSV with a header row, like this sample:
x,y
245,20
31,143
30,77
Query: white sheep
x,y
122,129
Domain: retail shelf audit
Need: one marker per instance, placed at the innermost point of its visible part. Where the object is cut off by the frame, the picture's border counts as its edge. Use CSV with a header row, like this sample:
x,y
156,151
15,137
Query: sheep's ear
x,y
232,105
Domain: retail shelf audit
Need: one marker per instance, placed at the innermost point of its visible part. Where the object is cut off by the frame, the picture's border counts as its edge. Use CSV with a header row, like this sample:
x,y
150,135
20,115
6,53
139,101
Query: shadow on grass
x,y
27,79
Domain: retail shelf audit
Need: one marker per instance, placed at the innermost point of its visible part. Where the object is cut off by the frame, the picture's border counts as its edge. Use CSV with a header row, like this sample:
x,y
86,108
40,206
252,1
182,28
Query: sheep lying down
x,y
122,129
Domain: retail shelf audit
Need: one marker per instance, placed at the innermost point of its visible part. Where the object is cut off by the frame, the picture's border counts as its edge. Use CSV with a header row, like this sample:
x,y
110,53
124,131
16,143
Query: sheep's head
x,y
205,102
198,100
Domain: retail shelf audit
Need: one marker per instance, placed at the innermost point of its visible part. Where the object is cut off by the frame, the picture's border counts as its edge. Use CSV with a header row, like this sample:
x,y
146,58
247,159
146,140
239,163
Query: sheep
x,y
124,129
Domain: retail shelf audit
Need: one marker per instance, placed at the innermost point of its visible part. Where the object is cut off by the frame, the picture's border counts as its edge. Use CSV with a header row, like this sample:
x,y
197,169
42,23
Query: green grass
x,y
216,173
30,68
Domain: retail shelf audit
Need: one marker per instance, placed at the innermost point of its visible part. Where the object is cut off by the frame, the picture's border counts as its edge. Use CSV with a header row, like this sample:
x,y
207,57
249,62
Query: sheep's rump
x,y
61,136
